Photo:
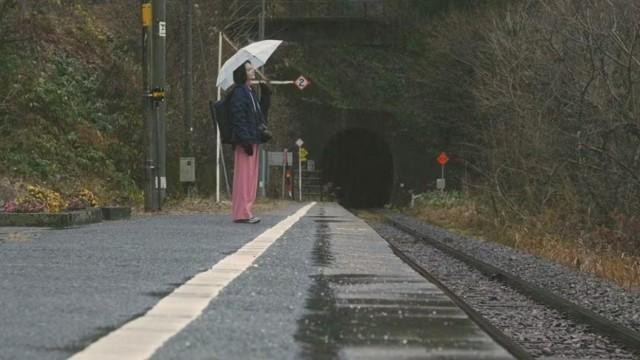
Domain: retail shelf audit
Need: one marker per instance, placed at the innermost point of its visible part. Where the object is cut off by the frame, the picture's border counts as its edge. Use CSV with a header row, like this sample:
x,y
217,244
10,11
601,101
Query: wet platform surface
x,y
328,288
366,303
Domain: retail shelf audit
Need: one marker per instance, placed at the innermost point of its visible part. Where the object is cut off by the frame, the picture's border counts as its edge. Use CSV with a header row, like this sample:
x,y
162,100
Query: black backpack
x,y
220,113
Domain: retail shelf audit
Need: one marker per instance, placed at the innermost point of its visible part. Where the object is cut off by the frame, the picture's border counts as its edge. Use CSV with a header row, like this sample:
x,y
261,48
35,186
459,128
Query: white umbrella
x,y
257,53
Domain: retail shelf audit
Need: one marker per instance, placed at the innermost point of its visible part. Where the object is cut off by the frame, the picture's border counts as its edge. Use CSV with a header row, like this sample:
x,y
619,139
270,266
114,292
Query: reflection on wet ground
x,y
321,253
355,315
17,234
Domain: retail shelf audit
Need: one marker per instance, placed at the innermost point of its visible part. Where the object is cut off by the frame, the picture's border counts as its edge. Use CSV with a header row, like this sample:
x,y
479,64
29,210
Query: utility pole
x,y
159,81
150,195
188,80
188,72
154,34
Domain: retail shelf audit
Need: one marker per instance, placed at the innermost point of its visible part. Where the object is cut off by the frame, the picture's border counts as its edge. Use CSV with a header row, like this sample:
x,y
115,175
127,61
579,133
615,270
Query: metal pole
x,y
442,167
299,174
150,195
188,83
217,128
285,162
156,145
159,81
188,74
262,20
264,166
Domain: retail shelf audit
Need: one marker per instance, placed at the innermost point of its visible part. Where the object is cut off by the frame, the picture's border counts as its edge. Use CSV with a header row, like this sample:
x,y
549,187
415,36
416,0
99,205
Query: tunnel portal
x,y
359,163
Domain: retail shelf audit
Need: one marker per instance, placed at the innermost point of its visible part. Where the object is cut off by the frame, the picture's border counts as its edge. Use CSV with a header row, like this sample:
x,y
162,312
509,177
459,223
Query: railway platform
x,y
312,281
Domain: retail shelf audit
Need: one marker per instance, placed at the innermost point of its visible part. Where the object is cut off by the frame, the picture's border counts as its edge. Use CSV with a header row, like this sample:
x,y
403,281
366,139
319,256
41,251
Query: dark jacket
x,y
247,113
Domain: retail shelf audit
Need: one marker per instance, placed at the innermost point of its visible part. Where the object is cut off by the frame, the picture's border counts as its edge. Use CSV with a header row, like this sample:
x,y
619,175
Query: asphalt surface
x,y
60,290
256,316
328,288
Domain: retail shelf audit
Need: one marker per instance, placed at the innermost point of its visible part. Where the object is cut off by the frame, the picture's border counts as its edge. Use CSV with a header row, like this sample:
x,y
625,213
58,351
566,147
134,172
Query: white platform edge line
x,y
135,340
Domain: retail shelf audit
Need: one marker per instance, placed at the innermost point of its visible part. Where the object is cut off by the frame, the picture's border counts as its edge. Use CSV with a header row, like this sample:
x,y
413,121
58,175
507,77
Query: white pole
x,y
217,128
299,174
272,82
285,162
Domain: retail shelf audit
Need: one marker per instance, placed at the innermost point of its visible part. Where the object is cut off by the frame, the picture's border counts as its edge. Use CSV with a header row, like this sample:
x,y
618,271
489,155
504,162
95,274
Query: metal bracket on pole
x,y
157,94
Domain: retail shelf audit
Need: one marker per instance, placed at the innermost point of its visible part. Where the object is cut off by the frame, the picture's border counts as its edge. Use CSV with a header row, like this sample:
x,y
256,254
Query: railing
x,y
335,8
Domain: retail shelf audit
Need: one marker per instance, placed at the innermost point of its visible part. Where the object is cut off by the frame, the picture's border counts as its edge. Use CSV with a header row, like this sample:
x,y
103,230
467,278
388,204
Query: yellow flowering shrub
x,y
40,199
82,199
89,197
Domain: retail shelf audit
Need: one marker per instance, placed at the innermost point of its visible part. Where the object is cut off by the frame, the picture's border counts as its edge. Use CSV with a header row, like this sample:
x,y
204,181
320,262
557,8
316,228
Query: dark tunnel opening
x,y
359,163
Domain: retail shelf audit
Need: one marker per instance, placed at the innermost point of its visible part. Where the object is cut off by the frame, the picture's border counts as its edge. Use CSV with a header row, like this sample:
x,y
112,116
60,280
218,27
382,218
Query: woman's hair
x,y
240,74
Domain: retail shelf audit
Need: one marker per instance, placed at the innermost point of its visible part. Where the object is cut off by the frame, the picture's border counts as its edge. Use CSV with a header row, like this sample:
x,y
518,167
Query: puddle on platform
x,y
321,253
333,323
351,315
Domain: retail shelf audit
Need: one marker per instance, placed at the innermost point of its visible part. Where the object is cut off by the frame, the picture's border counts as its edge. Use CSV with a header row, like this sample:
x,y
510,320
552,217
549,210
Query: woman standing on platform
x,y
247,115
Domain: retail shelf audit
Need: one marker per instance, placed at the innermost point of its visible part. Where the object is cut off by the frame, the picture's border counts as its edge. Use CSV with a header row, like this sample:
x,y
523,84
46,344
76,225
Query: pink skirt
x,y
245,183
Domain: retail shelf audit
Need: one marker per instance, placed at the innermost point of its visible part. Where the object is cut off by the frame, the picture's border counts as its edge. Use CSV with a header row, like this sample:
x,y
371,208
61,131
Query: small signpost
x,y
299,143
442,159
303,154
302,82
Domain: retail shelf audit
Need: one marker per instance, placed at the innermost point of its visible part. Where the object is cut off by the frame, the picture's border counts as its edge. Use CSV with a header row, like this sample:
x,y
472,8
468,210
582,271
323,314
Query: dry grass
x,y
537,236
197,205
370,216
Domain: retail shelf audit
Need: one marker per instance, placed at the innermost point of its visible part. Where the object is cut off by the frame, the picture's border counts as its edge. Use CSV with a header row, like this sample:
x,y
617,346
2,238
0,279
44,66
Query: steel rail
x,y
599,323
496,334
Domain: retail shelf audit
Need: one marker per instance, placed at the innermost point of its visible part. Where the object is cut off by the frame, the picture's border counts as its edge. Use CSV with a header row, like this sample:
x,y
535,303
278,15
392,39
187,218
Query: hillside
x,y
69,117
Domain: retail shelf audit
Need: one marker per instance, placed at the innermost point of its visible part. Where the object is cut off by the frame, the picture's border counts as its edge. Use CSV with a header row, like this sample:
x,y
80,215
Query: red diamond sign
x,y
302,82
443,159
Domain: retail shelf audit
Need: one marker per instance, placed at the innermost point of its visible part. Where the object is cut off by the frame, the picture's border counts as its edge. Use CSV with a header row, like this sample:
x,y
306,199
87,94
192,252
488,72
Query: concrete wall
x,y
411,166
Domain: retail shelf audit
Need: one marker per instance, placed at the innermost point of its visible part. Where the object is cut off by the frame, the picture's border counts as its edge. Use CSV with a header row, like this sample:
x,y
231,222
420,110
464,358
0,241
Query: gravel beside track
x,y
543,332
598,295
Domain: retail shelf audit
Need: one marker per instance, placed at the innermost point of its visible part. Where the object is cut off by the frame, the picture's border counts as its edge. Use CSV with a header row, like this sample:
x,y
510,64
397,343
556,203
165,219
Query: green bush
x,y
446,199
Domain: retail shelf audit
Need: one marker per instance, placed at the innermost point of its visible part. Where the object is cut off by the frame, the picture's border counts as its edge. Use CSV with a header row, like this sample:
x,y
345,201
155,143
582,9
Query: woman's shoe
x,y
253,220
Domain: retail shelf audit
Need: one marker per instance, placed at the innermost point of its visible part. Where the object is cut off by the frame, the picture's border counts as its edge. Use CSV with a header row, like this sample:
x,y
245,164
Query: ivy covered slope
x,y
69,107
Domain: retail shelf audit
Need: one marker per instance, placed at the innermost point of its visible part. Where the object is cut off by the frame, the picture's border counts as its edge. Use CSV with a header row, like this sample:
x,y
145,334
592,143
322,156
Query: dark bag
x,y
263,130
220,116
265,134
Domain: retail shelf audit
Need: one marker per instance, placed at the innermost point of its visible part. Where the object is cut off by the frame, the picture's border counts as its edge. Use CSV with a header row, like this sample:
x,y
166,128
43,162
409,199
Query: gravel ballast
x,y
596,294
544,332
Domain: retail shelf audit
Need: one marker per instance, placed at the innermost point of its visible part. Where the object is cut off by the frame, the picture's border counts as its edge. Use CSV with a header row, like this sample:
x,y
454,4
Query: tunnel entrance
x,y
359,162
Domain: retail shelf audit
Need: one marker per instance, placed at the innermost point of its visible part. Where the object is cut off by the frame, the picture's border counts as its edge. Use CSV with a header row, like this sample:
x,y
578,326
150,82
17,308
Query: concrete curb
x,y
62,219
116,212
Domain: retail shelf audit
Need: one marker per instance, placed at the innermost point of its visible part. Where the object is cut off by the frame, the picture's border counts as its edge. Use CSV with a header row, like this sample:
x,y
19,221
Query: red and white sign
x,y
302,82
442,159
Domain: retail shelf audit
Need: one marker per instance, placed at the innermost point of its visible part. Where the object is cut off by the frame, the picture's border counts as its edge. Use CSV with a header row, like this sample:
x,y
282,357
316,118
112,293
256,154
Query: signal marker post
x,y
442,159
301,82
299,143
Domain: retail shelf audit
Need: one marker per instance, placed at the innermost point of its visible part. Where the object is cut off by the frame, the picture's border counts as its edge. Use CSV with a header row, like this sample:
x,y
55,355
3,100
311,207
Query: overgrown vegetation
x,y
547,119
556,84
68,117
537,235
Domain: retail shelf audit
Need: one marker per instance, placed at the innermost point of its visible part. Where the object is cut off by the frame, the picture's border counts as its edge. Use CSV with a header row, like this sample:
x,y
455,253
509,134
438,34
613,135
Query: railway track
x,y
528,320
